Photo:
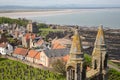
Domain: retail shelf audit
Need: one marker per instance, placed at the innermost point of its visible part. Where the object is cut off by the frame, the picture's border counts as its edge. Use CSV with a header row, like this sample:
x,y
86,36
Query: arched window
x,y
95,64
71,73
105,61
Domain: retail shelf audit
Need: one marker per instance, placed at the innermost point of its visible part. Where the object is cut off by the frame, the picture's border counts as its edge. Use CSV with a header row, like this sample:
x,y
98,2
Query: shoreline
x,y
41,13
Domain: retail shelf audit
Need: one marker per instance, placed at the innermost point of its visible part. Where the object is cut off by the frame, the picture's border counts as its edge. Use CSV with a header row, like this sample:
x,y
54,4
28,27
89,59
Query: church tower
x,y
29,26
32,27
99,55
74,66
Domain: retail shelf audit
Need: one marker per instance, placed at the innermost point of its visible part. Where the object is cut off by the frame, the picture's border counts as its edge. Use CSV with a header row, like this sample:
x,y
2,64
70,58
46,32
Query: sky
x,y
110,3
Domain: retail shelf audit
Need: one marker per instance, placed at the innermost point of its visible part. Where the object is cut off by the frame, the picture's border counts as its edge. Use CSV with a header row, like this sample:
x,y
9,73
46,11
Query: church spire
x,y
100,40
76,47
74,65
99,55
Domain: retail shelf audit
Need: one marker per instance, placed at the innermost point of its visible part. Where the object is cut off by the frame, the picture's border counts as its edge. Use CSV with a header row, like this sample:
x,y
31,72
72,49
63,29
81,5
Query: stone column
x,y
67,75
77,72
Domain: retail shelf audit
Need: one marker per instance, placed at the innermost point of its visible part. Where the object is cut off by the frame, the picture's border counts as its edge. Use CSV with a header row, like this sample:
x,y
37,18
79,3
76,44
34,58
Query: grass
x,y
45,31
49,29
14,70
113,74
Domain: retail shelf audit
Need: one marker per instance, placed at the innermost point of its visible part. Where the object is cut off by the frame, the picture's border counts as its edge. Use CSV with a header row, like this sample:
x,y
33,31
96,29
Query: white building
x,y
5,48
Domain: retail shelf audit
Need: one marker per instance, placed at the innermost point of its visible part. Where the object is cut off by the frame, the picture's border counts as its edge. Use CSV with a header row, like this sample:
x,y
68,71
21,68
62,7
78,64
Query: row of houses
x,y
45,57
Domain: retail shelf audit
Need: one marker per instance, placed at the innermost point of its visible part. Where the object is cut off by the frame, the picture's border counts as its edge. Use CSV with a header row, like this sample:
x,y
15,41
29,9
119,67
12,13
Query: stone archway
x,y
70,73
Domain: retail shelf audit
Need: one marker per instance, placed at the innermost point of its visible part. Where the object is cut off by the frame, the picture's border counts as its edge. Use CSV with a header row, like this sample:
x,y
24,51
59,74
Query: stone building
x,y
75,68
32,27
74,65
27,40
100,56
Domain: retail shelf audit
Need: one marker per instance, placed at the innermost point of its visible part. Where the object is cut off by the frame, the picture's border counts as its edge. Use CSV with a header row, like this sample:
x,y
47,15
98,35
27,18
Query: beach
x,y
41,13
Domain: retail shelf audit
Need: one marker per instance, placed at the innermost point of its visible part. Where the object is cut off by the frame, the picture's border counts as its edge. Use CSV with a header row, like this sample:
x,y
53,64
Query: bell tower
x,y
99,55
29,26
74,67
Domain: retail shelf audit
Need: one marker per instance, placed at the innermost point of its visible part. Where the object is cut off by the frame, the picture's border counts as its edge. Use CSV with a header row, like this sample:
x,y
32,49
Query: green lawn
x,y
49,29
45,31
14,70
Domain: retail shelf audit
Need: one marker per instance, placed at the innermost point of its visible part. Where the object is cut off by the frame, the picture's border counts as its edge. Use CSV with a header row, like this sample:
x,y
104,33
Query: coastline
x,y
81,17
41,13
22,14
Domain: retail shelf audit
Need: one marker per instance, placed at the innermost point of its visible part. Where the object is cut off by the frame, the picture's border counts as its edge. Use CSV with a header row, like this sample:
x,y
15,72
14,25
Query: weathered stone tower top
x,y
74,65
32,27
99,44
76,53
76,47
100,39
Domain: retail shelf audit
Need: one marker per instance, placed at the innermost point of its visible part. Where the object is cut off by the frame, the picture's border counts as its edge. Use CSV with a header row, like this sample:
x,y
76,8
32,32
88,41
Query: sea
x,y
84,17
108,17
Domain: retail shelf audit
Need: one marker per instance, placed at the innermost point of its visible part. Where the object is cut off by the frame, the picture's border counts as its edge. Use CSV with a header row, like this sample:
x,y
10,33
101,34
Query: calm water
x,y
92,18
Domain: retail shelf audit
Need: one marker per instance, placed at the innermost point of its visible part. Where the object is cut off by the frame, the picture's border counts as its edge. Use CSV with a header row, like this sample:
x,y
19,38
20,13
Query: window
x,y
105,61
95,64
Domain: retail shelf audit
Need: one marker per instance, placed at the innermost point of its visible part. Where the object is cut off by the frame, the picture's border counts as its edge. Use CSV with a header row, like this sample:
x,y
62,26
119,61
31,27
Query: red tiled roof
x,y
20,51
38,55
32,53
40,42
65,58
27,35
57,46
62,41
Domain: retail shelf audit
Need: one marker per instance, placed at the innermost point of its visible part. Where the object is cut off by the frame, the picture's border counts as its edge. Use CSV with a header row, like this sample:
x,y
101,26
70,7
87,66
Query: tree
x,y
59,66
21,22
42,25
87,60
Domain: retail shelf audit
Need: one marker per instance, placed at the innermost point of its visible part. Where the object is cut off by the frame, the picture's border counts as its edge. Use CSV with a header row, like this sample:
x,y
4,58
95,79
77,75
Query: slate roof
x,y
56,52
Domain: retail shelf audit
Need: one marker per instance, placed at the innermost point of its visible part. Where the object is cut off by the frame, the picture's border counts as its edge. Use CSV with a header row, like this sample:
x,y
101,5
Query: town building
x,y
49,56
27,40
20,53
60,43
31,55
37,58
6,48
